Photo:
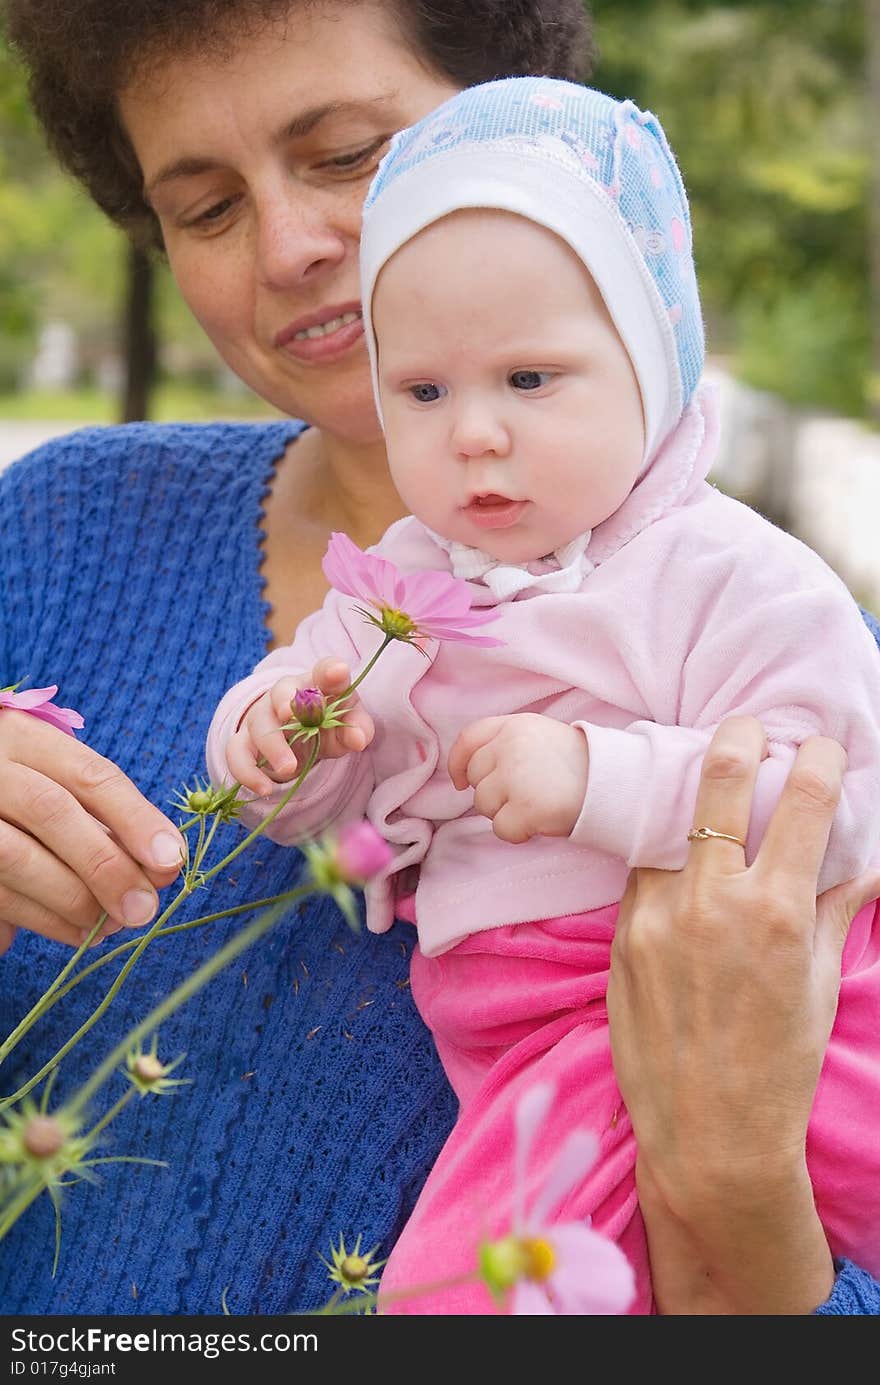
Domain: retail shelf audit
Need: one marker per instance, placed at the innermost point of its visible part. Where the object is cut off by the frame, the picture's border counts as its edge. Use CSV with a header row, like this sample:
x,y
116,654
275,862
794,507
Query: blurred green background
x,y
770,108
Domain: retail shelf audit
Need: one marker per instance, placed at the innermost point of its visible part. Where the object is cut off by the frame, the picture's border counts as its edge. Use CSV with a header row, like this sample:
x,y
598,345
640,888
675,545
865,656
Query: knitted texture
x,y
855,1293
129,575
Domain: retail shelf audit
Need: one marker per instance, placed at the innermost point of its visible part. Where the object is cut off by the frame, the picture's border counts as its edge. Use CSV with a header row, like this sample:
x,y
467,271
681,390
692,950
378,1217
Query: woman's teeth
x,y
324,329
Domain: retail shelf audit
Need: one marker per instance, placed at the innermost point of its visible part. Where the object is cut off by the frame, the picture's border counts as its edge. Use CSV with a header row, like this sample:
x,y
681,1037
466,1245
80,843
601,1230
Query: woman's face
x,y
257,166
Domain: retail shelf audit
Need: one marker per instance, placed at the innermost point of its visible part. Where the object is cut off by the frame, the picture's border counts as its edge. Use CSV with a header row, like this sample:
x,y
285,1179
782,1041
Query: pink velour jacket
x,y
696,609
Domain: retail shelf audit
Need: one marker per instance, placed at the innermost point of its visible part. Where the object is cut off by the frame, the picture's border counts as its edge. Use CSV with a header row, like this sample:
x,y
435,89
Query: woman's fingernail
x,y
167,850
138,907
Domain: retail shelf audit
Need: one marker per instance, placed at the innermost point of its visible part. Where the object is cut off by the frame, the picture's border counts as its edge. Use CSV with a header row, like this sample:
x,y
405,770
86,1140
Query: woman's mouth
x,y
494,511
324,335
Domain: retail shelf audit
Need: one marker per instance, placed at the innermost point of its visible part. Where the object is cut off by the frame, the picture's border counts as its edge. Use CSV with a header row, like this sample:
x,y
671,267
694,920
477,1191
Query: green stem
x,y
366,669
45,999
196,855
162,933
358,1304
20,1205
33,1190
270,817
142,943
206,972
111,1114
148,937
55,989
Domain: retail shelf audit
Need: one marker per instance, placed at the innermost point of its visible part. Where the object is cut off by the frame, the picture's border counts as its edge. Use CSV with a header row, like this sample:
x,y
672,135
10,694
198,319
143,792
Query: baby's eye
x,y
529,379
427,392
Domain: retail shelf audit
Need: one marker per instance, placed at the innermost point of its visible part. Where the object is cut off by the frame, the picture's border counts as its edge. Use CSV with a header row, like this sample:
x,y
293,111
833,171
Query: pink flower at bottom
x,y
360,852
38,703
567,1269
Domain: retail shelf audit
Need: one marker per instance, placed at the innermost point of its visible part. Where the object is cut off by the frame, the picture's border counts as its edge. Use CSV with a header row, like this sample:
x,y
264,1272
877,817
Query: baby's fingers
x,y
241,760
471,739
331,675
263,726
354,735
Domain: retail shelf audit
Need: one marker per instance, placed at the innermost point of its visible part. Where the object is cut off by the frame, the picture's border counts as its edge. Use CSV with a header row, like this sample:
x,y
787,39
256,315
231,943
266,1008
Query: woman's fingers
x,y
724,797
56,854
18,911
794,843
145,834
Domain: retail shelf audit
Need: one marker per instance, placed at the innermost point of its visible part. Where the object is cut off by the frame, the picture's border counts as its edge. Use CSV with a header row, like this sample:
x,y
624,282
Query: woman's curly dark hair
x,y
80,53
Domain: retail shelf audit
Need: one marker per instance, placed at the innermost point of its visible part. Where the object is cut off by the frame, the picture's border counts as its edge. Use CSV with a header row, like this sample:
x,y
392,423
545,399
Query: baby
x,y
533,321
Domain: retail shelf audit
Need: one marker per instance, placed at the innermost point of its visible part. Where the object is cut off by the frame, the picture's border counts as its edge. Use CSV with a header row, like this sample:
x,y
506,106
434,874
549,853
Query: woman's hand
x,y
258,755
76,837
723,990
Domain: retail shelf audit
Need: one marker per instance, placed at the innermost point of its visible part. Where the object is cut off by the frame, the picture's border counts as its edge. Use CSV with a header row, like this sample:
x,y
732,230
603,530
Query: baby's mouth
x,y
487,501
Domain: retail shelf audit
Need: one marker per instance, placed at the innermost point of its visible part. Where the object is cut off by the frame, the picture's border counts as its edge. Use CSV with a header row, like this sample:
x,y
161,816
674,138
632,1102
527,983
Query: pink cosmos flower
x,y
566,1269
360,852
38,702
419,605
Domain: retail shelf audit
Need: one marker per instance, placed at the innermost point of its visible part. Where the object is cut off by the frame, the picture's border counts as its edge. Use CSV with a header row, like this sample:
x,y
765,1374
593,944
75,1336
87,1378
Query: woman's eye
x,y
529,379
346,163
427,392
214,213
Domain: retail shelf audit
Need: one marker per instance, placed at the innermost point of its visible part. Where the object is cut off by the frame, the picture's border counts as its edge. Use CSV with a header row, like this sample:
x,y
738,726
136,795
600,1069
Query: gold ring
x,y
704,834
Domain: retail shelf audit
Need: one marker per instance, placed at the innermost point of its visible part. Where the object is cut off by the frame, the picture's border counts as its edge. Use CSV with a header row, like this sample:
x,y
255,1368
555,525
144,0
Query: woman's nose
x,y
296,239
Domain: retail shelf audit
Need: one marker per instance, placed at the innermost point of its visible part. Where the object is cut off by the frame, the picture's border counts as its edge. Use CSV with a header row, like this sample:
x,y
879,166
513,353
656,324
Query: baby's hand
x,y
529,774
259,738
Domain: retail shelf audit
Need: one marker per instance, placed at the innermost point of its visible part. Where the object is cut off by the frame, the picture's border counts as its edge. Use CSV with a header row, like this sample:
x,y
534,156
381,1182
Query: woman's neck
x,y
342,486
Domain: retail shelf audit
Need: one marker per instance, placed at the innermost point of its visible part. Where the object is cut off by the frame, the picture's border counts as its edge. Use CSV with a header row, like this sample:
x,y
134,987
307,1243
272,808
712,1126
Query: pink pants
x,y
513,1005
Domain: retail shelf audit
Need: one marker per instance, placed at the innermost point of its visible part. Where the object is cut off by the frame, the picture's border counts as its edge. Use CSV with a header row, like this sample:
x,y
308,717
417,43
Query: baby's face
x,y
512,414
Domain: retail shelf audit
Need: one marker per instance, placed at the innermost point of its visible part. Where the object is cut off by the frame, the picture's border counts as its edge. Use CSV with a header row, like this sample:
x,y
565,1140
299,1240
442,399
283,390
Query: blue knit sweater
x,y
129,574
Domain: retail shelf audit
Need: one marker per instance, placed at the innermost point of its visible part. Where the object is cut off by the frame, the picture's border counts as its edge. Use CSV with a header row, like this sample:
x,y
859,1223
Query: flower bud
x,y
354,1268
503,1263
148,1068
308,707
360,852
43,1137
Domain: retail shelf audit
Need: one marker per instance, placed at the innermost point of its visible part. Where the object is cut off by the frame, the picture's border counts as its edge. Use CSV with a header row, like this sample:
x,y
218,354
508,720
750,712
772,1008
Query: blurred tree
x,y
764,102
873,121
140,348
764,105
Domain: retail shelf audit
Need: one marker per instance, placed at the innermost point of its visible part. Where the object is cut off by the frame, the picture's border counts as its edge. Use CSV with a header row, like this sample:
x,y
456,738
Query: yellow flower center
x,y
354,1268
540,1258
396,623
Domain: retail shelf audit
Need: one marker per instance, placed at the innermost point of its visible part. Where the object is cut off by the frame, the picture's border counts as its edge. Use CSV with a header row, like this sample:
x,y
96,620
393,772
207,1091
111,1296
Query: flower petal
x,y
359,574
531,1112
529,1300
64,718
592,1274
438,604
27,701
37,702
576,1157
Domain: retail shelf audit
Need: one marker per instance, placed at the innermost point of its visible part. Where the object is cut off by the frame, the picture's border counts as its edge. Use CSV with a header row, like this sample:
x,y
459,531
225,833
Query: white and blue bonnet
x,y
597,172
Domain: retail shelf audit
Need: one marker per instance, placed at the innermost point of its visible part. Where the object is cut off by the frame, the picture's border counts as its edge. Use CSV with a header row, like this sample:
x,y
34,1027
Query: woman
x,y
244,147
